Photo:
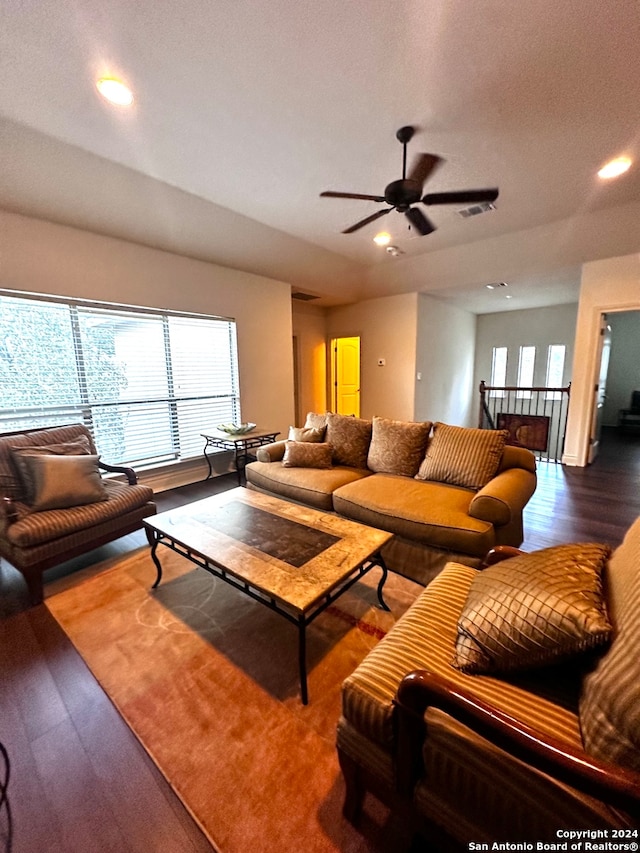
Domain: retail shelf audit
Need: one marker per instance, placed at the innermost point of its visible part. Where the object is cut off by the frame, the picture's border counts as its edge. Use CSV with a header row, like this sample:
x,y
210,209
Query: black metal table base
x,y
300,620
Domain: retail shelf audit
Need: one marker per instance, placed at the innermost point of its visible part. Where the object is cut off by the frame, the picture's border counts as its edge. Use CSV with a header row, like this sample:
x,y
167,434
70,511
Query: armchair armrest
x,y
130,474
273,452
500,553
504,497
8,513
421,689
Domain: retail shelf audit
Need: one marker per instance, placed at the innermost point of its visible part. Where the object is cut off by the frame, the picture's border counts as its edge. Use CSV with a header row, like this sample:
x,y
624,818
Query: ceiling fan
x,y
408,191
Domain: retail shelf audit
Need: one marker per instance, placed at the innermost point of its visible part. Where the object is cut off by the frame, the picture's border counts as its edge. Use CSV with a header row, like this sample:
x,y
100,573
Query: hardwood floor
x,y
80,781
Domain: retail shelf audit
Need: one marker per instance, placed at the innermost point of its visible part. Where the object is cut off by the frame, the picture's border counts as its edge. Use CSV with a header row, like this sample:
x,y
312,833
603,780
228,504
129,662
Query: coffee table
x,y
290,558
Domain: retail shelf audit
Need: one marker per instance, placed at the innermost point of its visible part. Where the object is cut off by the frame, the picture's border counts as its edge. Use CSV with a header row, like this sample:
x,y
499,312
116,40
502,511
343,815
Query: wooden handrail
x,y
421,689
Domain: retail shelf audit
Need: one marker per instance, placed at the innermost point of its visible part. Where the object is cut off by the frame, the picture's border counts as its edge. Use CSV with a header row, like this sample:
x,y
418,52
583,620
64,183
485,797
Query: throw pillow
x,y
316,420
534,609
397,447
462,456
306,434
60,481
609,706
305,454
79,446
349,438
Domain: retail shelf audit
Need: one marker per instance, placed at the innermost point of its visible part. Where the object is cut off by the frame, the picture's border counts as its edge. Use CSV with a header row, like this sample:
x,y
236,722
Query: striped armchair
x,y
55,504
512,757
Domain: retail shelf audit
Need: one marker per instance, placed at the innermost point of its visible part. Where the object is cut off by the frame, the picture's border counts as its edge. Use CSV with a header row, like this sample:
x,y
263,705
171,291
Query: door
x,y
600,387
345,377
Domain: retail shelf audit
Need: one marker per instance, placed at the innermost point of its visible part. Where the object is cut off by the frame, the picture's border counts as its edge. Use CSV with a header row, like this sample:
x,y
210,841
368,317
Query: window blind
x,y
146,383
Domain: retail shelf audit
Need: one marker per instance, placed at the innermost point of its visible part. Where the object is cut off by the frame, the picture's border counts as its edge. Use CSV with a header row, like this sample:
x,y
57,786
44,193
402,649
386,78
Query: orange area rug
x,y
207,679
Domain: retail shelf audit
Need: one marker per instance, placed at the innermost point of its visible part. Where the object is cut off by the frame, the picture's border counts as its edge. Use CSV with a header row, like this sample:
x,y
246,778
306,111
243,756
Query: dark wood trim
x,y
420,690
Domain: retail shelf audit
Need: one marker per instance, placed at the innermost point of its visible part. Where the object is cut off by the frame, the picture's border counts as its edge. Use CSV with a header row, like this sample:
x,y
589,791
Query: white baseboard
x,y
165,477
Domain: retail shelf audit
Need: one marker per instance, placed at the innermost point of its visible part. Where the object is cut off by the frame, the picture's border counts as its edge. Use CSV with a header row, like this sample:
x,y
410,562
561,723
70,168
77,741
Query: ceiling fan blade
x,y
419,221
366,221
330,194
423,166
461,196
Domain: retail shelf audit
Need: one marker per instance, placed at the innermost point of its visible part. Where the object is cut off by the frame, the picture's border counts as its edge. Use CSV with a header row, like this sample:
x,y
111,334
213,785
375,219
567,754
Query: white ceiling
x,y
247,109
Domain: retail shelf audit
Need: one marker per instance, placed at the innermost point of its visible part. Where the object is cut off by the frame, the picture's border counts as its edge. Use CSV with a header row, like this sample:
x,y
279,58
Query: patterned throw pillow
x,y
306,434
349,438
609,706
397,447
61,481
316,420
462,456
306,454
534,609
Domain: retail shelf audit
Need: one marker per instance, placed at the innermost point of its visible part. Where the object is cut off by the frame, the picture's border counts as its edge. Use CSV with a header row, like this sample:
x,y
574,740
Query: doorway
x,y
345,375
600,388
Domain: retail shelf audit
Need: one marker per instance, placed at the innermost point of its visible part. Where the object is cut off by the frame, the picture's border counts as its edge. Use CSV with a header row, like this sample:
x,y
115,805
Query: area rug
x,y
207,679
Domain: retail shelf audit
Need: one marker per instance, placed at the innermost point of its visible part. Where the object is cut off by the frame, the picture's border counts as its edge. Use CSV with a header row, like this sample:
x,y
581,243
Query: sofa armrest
x,y
273,452
504,497
130,474
419,690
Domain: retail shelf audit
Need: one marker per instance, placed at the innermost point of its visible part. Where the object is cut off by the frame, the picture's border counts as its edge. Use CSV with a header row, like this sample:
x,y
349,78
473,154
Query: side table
x,y
239,444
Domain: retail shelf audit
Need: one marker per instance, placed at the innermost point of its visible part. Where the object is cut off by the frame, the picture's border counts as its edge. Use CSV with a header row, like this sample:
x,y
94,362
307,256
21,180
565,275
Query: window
x,y
526,363
146,383
555,370
498,370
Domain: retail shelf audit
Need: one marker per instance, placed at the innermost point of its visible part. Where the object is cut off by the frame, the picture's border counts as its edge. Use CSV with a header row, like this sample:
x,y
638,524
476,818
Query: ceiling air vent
x,y
476,209
303,297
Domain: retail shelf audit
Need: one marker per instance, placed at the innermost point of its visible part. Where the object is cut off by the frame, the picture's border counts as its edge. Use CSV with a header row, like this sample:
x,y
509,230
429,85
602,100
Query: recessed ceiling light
x,y
615,167
115,91
382,239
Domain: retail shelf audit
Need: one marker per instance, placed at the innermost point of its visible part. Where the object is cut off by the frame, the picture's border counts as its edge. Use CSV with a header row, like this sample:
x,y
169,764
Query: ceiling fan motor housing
x,y
401,194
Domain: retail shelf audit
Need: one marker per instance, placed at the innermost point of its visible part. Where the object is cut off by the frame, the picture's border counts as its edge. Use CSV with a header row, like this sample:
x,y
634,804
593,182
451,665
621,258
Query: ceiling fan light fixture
x,y
615,168
115,91
382,238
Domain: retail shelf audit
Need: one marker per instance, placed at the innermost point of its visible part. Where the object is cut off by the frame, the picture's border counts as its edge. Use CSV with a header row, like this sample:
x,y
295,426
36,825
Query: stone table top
x,y
288,552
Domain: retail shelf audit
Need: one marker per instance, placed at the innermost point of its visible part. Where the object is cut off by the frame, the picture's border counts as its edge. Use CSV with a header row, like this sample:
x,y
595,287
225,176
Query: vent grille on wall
x,y
476,209
303,297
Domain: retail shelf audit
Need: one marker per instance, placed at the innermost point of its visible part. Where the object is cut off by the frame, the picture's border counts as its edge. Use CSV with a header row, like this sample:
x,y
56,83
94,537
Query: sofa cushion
x,y
424,638
311,486
610,701
430,513
34,528
349,438
534,609
397,447
462,456
58,481
304,454
309,434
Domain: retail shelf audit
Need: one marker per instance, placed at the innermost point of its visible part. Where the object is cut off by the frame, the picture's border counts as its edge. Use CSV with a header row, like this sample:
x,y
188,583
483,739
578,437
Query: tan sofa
x,y
445,492
54,503
527,754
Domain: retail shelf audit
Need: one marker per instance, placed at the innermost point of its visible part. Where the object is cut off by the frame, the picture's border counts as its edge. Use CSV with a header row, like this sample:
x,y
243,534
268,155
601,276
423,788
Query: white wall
x,y
608,285
445,354
387,328
41,257
539,327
